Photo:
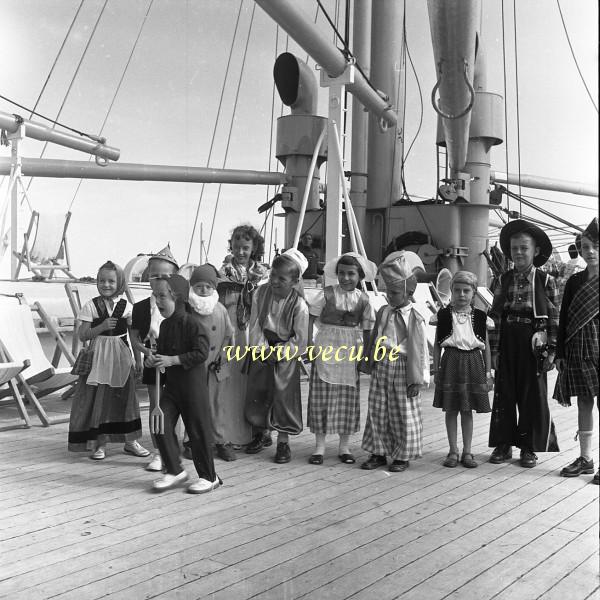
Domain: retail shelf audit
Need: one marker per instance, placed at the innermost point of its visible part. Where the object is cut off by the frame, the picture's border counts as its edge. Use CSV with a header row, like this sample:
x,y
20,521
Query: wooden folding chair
x,y
45,249
9,381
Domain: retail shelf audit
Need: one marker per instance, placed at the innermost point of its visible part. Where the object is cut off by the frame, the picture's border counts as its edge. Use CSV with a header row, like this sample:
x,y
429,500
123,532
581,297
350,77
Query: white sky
x,y
165,110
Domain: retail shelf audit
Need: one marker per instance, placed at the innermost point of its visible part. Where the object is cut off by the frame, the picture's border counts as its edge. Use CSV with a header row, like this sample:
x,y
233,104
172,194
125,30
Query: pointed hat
x,y
166,255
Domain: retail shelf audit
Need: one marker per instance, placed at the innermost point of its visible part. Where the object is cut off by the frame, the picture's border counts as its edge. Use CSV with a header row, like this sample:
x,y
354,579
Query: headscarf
x,y
397,272
296,257
109,265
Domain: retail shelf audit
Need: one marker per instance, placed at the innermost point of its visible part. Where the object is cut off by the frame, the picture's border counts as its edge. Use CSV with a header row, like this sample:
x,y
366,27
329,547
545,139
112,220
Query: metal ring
x,y
436,106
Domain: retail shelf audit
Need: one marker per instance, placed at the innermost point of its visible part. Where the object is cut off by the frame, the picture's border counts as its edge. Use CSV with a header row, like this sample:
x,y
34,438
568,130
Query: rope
x,y
237,94
135,43
574,57
505,99
214,133
517,100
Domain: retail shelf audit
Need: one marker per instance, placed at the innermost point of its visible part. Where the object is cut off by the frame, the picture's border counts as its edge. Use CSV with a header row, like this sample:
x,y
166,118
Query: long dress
x,y
236,289
101,412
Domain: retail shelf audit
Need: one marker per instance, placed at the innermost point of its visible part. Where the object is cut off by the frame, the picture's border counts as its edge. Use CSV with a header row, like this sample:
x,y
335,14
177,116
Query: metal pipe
x,y
37,131
330,58
544,183
43,167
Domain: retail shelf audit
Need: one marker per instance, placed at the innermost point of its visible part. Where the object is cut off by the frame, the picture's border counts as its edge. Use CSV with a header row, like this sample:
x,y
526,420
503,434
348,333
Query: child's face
x,y
348,277
164,298
107,283
202,288
398,297
462,295
523,250
158,267
282,281
589,252
241,248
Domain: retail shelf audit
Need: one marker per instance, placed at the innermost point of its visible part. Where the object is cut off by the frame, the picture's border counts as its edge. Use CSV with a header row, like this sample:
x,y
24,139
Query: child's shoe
x,y
225,452
398,466
136,449
374,461
283,454
501,454
156,464
580,466
468,460
451,460
202,486
169,481
99,454
528,459
596,478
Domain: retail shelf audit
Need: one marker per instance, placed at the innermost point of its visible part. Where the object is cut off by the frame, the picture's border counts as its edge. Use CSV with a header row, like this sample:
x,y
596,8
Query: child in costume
x,y
213,316
523,345
183,347
105,408
145,323
463,377
577,350
345,320
278,325
239,277
398,360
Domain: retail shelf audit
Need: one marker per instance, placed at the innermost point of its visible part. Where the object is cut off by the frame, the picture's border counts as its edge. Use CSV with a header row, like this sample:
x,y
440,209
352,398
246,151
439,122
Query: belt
x,y
516,319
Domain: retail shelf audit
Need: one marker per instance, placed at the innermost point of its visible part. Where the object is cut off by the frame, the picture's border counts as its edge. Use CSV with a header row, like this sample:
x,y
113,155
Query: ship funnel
x,y
454,27
296,84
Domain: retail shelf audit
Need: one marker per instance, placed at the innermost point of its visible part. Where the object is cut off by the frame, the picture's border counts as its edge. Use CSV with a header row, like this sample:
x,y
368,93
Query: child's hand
x,y
163,361
109,323
489,381
548,364
150,361
413,390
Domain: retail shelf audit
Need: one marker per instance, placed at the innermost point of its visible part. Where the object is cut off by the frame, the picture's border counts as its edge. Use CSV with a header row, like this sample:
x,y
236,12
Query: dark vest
x,y
120,329
444,324
343,318
540,300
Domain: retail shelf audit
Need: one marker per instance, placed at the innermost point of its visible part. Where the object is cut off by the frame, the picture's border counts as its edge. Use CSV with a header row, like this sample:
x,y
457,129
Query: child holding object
x,y
145,324
344,320
213,316
577,350
278,327
398,360
105,408
463,377
182,349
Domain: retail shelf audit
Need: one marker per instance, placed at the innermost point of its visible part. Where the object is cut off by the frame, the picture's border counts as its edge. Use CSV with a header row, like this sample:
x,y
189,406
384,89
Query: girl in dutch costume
x,y
462,377
398,360
345,318
278,327
577,350
105,408
239,277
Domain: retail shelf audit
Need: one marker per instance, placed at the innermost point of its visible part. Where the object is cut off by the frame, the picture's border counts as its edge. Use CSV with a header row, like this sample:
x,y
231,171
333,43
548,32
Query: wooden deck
x,y
76,529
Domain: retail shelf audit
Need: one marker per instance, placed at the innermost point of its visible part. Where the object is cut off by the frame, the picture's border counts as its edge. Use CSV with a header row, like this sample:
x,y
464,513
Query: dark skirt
x,y
462,382
100,414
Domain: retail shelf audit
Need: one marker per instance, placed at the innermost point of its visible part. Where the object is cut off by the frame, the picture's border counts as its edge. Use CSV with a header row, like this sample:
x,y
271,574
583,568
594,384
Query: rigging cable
x,y
237,94
574,57
214,133
135,43
517,100
505,100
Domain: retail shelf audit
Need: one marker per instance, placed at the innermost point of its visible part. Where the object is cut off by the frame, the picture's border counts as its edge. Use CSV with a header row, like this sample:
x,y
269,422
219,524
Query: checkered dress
x,y
394,427
333,408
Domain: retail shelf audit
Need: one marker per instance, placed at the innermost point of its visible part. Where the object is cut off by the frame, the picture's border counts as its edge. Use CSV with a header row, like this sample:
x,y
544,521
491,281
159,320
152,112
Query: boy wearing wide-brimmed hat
x,y
526,318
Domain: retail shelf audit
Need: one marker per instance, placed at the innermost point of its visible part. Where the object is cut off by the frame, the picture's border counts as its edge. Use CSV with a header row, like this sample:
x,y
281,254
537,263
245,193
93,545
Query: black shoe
x,y
187,452
398,466
315,459
256,445
528,459
596,478
374,461
283,454
578,467
501,454
266,439
225,452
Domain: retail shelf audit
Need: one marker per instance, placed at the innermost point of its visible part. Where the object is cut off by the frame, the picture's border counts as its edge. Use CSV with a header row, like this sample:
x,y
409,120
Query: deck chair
x,y
45,247
19,338
9,386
